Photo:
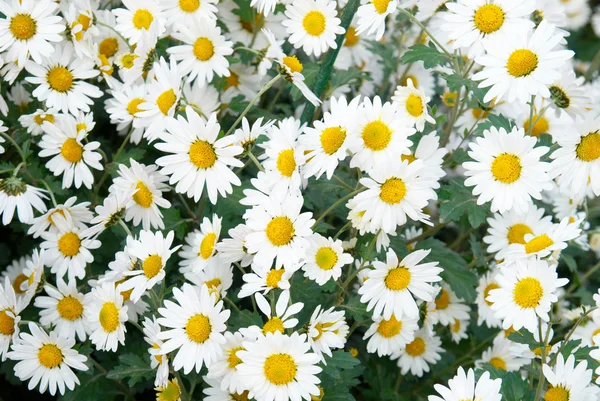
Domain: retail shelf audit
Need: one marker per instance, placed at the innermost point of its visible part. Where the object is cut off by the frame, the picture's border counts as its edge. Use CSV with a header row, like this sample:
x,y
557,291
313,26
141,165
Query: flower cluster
x,y
301,199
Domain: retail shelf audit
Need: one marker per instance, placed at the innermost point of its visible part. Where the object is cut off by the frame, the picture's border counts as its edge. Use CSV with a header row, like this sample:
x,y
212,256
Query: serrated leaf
x,y
243,318
132,367
455,81
524,337
429,55
339,361
457,200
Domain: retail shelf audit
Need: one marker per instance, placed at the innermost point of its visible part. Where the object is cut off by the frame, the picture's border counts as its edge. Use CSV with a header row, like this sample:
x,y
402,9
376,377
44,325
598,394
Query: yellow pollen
x,y
376,135
274,277
213,284
274,324
443,300
351,37
39,120
588,148
142,19
152,265
538,350
202,154
189,6
207,246
244,396
204,49
498,363
528,292
126,295
414,105
170,392
69,244
60,79
108,47
293,63
314,23
198,328
280,231
489,18
332,139
71,150
80,127
398,279
541,126
479,113
416,348
521,63
280,369
320,328
286,163
233,360
109,317
516,233
353,351
557,394
128,59
70,308
166,100
132,106
20,279
318,397
7,324
50,356
393,190
404,81
538,243
381,6
326,258
506,168
389,328
232,81
23,27
85,21
143,196
487,290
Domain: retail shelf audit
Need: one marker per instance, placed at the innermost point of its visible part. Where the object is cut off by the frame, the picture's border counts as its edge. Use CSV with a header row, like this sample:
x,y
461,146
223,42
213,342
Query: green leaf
x,y
429,55
499,121
92,388
456,273
243,318
339,361
133,367
343,77
356,309
455,81
524,337
457,200
478,253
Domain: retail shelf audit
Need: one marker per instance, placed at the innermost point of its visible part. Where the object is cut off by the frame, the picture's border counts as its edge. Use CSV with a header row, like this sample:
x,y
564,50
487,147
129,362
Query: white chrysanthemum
x,y
569,382
19,95
419,354
234,249
15,194
354,51
106,317
47,359
247,31
392,286
187,12
327,330
411,104
216,276
278,319
458,330
15,273
138,16
507,170
447,307
34,121
63,310
195,326
110,43
388,336
487,282
225,367
123,109
200,245
526,292
264,280
198,157
10,308
34,271
242,80
158,359
522,64
280,367
503,355
569,95
372,15
324,259
108,214
246,136
463,387
202,96
139,61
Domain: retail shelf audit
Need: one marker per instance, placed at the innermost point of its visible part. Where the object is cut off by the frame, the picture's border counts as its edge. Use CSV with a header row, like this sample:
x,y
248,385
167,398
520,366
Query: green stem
x,y
433,39
184,394
255,161
338,179
122,223
530,115
585,276
336,204
186,206
49,192
230,302
568,336
115,31
16,145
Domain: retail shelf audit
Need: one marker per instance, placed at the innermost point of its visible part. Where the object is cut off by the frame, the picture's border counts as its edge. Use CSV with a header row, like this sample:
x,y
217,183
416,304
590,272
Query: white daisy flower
x,y
63,310
324,259
34,271
61,80
279,318
10,308
224,368
503,355
152,251
354,51
187,12
139,15
570,382
458,330
195,326
19,96
246,136
107,317
27,28
464,387
123,109
71,157
387,336
34,121
428,150
200,245
110,44
14,272
522,64
158,359
569,96
241,80
202,97
80,20
232,250
217,276
447,307
392,286
487,283
15,194
419,354
264,280
198,157
526,292
265,7
108,214
507,170
138,63
411,104
372,15
47,359
280,367
247,31
168,392
313,25
327,330
202,55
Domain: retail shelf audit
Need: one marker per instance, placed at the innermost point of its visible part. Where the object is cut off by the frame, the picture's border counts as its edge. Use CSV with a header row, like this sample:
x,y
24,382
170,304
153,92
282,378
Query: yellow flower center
x,y
541,126
280,231
50,356
109,317
516,233
143,196
22,26
70,308
274,277
166,100
189,6
404,81
142,19
479,113
489,18
213,284
449,98
159,358
132,106
244,396
393,190
487,290
314,23
326,258
198,328
232,81
69,244
456,326
128,59
521,63
332,139
381,6
416,348
398,279
506,168
528,292
320,328
389,328
408,158
39,120
204,49
20,279
207,245
538,243
108,47
376,135
152,265
588,149
498,363
202,154
170,392
233,360
7,324
273,324
351,37
557,394
71,150
286,163
60,79
353,351
443,300
414,105
293,64
280,369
